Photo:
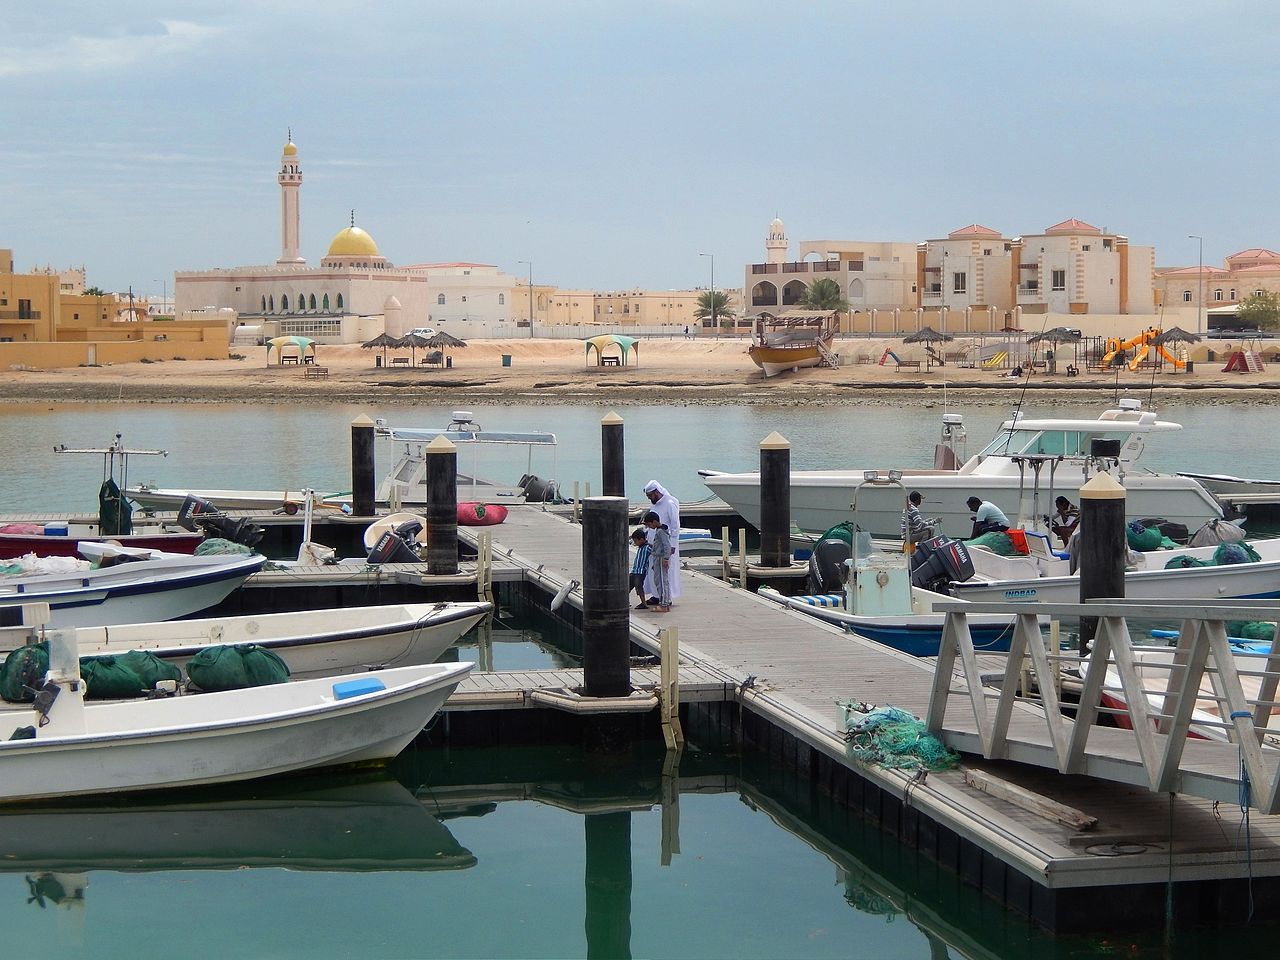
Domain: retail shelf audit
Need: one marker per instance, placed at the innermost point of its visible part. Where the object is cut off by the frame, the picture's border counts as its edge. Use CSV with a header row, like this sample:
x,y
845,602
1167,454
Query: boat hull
x,y
42,545
132,594
776,360
225,737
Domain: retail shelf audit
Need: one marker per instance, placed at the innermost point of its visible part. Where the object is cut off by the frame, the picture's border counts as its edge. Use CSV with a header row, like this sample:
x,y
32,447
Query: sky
x,y
611,144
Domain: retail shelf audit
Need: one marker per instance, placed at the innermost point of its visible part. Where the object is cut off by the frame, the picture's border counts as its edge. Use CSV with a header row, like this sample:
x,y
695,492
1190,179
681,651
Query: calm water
x,y
488,852
278,446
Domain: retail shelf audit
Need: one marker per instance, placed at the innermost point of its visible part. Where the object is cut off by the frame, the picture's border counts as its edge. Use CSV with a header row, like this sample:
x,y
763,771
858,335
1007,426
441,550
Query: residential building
x,y
970,268
1242,274
1075,268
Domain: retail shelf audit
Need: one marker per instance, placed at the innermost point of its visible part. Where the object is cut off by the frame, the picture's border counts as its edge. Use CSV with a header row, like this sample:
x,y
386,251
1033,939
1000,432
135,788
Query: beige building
x,y
970,268
1075,268
873,275
1241,275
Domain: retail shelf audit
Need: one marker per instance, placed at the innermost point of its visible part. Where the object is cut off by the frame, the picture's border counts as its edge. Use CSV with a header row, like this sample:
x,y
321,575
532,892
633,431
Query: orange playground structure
x,y
1143,345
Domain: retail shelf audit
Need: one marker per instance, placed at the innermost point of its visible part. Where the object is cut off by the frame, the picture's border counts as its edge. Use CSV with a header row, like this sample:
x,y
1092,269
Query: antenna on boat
x,y
1151,388
1026,382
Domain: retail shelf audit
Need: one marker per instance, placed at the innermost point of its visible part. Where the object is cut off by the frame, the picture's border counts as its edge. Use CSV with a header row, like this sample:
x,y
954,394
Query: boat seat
x,y
1041,548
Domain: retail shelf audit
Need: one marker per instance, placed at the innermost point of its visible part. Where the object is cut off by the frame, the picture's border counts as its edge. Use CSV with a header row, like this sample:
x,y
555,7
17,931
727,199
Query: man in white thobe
x,y
667,508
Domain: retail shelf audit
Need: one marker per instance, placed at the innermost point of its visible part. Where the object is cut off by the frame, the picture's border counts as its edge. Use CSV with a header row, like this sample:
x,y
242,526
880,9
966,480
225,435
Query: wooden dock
x,y
790,671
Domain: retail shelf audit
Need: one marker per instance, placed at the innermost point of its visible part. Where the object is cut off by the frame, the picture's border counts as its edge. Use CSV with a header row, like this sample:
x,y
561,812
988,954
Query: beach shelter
x,y
928,336
607,340
445,342
382,341
281,344
1175,335
1057,336
414,342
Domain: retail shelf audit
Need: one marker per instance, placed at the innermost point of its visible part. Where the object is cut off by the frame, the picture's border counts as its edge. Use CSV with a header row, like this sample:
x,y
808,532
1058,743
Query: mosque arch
x,y
792,292
272,301
764,294
302,302
264,303
312,301
284,303
339,301
856,290
324,304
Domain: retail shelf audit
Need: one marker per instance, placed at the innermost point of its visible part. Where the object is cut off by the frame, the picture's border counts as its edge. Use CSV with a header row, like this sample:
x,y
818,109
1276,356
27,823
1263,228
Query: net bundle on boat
x,y
893,738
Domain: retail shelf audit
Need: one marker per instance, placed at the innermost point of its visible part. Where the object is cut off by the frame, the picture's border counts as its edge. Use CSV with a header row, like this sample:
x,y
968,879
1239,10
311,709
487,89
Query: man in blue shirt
x,y
988,518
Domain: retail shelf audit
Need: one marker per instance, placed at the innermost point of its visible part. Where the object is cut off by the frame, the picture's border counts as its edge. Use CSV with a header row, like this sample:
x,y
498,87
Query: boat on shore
x,y
224,737
1000,473
149,588
790,341
312,643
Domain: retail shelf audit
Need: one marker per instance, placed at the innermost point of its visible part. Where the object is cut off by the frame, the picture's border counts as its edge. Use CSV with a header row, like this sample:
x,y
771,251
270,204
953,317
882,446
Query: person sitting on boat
x,y
915,528
1065,520
988,518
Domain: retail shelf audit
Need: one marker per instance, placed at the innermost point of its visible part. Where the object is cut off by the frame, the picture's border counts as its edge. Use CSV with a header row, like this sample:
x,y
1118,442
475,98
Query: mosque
x,y
353,295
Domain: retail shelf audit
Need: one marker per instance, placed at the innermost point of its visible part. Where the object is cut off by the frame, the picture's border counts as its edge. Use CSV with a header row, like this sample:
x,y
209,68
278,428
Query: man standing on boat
x,y
667,508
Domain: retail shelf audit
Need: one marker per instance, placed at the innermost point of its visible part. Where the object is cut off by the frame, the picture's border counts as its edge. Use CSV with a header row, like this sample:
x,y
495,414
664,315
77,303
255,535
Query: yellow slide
x,y
997,359
1142,342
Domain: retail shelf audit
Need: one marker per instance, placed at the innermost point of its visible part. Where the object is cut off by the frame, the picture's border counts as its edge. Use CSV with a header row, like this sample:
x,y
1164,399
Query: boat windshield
x,y
1050,443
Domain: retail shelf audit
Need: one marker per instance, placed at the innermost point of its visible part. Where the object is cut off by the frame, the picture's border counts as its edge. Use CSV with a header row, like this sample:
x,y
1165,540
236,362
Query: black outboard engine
x,y
196,513
826,565
537,490
938,562
396,545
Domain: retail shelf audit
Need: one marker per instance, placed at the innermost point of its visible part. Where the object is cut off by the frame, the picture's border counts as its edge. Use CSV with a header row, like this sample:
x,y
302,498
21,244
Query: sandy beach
x,y
676,371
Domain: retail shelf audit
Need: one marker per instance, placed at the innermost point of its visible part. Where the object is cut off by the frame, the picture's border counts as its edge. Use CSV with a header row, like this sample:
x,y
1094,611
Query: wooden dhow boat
x,y
790,341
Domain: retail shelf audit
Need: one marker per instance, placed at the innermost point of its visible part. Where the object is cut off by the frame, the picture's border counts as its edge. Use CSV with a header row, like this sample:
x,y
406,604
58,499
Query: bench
x,y
610,361
315,373
400,361
908,365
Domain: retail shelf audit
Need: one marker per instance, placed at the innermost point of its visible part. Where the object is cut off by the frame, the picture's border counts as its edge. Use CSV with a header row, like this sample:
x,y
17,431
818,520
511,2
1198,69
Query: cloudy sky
x,y
612,143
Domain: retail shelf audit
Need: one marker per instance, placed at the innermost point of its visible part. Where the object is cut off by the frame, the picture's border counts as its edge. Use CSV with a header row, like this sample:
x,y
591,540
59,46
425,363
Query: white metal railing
x,y
1197,684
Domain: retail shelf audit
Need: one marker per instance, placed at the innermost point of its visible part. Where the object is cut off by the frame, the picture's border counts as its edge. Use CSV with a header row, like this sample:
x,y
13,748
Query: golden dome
x,y
353,242
290,150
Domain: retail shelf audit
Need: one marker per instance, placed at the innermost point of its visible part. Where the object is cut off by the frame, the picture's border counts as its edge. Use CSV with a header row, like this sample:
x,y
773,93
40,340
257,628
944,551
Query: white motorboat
x,y
307,823
1044,576
1000,473
160,587
312,643
187,741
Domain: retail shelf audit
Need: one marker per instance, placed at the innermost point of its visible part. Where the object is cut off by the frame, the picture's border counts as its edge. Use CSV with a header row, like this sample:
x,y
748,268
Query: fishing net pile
x,y
893,738
1226,555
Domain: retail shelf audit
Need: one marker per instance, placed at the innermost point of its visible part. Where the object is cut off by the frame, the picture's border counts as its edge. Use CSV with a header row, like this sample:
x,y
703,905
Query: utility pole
x,y
1200,292
529,264
715,326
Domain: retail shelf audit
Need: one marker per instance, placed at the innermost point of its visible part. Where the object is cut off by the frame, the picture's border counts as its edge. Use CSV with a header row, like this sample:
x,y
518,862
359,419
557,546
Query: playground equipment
x,y
996,359
1248,359
1142,344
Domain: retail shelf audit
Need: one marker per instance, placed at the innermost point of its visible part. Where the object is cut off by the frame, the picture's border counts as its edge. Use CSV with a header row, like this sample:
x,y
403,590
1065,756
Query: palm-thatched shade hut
x,y
382,341
928,336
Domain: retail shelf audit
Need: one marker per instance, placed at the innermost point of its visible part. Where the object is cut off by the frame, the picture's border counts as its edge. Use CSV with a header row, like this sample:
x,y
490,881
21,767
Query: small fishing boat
x,y
152,586
187,741
790,341
61,538
1045,576
312,643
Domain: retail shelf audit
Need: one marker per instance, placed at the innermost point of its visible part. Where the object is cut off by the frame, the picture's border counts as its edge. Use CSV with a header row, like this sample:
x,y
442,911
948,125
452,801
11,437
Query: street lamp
x,y
714,325
529,264
164,292
1200,296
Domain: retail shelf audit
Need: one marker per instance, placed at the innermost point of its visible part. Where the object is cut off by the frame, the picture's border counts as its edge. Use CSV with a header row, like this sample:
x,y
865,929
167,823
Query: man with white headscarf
x,y
667,508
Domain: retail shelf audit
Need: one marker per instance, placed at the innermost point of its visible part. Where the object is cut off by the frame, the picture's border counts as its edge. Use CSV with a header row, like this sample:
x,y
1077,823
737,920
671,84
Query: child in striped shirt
x,y
640,566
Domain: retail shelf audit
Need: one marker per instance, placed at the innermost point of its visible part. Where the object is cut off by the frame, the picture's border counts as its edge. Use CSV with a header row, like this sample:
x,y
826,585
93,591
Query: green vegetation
x,y
1260,310
714,305
824,294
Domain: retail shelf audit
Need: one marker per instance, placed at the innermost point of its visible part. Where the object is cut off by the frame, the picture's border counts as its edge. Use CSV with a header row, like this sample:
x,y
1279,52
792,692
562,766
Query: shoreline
x,y
554,373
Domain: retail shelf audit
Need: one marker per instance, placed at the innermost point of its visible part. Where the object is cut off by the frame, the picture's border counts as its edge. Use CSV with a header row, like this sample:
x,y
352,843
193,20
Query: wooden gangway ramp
x,y
792,670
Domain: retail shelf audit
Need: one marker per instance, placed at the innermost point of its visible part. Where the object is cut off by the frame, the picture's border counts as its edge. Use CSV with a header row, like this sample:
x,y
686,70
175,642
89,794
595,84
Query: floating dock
x,y
1074,853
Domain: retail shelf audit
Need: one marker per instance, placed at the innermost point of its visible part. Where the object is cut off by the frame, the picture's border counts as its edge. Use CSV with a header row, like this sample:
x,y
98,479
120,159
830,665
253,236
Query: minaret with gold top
x,y
290,179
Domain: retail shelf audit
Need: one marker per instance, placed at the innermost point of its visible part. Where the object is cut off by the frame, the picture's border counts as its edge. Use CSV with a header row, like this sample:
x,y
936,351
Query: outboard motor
x,y
938,562
393,546
196,513
826,565
537,490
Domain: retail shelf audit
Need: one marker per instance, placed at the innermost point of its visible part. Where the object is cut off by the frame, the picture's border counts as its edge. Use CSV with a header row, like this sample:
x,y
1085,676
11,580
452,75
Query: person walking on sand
x,y
659,562
640,566
667,508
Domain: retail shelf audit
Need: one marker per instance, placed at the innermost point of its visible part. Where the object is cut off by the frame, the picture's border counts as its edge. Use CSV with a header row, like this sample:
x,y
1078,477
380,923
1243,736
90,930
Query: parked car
x,y
424,331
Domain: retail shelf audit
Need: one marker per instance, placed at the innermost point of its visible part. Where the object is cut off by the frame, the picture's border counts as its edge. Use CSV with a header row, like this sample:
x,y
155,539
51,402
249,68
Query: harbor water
x,y
518,851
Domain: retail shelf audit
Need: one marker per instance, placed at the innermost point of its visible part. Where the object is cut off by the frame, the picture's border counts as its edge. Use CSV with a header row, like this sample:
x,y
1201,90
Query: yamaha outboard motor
x,y
537,490
938,562
826,565
394,546
196,513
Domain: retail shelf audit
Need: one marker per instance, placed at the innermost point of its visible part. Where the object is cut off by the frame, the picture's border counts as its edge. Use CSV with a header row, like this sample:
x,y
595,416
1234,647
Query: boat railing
x,y
1228,694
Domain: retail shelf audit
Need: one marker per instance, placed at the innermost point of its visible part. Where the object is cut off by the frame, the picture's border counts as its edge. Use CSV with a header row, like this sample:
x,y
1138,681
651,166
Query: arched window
x,y
339,301
284,303
1217,294
1233,293
856,289
312,301
502,299
302,302
764,294
272,301
324,304
440,300
264,303
1186,296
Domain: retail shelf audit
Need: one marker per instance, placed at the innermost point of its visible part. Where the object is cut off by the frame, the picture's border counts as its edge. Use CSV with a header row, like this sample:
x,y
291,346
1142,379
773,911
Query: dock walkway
x,y
793,670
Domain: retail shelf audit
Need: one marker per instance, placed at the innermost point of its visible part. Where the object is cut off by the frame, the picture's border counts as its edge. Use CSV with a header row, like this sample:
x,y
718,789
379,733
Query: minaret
x,y
776,246
290,179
